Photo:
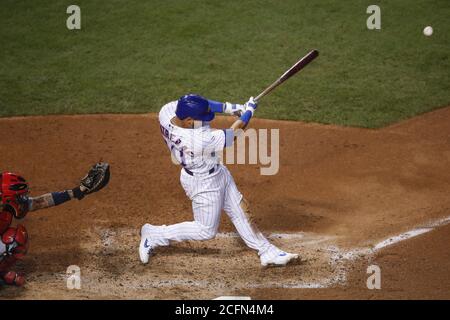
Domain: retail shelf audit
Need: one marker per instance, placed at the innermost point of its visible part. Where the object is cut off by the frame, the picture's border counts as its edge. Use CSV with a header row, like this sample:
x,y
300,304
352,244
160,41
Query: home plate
x,y
233,298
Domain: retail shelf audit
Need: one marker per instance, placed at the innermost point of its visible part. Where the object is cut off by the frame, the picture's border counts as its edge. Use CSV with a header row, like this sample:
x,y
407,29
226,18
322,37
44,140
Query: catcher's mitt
x,y
96,179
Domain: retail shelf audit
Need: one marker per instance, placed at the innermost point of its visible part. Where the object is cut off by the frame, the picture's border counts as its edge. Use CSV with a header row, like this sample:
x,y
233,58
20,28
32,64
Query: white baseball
x,y
428,31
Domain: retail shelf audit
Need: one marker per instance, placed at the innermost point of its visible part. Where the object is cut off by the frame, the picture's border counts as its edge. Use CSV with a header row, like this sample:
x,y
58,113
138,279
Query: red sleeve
x,y
6,263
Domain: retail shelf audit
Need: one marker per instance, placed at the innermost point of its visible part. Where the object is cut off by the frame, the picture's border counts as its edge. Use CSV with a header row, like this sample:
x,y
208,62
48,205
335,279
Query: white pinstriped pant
x,y
209,195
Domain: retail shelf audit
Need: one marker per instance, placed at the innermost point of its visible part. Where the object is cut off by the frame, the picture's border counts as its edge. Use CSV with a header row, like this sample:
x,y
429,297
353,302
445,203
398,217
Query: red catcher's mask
x,y
13,192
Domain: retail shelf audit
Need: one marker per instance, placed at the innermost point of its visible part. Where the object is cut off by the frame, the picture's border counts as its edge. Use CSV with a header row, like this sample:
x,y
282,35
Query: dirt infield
x,y
339,194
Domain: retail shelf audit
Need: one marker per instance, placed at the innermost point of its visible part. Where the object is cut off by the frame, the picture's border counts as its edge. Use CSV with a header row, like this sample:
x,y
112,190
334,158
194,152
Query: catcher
x,y
15,202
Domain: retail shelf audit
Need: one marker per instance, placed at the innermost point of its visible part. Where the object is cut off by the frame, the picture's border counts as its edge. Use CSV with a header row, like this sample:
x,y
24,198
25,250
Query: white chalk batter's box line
x,y
338,258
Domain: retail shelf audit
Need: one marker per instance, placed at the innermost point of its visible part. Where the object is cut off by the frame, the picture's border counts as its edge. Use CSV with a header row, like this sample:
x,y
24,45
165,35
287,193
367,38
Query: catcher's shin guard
x,y
13,278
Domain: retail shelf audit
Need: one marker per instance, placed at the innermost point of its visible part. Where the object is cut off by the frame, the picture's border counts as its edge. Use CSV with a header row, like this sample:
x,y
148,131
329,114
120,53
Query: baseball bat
x,y
299,65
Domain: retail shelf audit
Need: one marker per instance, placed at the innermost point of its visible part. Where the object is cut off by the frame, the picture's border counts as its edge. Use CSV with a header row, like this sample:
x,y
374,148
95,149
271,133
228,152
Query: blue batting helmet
x,y
195,107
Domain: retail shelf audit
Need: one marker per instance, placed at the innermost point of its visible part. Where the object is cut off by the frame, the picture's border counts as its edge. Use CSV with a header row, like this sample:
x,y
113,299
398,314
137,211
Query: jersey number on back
x,y
171,144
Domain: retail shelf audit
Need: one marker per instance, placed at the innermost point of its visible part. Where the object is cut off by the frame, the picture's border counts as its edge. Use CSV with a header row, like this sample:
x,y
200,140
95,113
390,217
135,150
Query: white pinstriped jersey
x,y
210,192
195,149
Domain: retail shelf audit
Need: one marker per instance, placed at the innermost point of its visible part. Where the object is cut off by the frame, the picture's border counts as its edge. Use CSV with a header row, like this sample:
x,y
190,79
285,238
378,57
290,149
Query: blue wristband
x,y
246,116
215,106
60,197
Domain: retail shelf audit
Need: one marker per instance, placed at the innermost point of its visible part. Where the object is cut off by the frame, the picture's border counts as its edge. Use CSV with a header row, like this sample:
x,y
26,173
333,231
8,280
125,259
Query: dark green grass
x,y
133,56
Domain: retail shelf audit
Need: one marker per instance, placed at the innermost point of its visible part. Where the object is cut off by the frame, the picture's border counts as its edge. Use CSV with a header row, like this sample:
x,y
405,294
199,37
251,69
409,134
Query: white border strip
x,y
399,238
411,234
233,298
296,235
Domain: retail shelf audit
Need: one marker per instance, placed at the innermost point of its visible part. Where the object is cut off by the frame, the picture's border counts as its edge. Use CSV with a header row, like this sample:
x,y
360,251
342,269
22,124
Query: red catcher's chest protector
x,y
5,220
15,241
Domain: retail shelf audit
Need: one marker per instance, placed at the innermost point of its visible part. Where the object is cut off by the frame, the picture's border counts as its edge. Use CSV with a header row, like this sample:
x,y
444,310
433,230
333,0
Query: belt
x,y
189,172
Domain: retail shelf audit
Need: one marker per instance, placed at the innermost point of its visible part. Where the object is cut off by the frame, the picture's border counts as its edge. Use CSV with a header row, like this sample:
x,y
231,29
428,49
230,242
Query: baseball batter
x,y
209,185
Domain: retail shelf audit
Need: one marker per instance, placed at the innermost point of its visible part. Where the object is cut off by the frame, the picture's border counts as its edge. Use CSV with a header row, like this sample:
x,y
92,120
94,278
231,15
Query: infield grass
x,y
133,56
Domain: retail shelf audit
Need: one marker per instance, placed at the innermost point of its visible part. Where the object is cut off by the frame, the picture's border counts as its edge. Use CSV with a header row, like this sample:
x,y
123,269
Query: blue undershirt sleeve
x,y
215,106
60,197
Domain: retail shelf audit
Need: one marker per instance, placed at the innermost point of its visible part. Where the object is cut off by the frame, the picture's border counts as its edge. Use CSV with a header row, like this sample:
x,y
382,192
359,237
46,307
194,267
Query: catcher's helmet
x,y
13,192
195,107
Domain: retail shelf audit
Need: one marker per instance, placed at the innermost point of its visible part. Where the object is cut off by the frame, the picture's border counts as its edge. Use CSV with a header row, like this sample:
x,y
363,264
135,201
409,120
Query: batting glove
x,y
251,105
234,109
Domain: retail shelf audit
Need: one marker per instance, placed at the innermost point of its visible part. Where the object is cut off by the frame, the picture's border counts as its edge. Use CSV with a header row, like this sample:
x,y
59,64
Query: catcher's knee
x,y
13,278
